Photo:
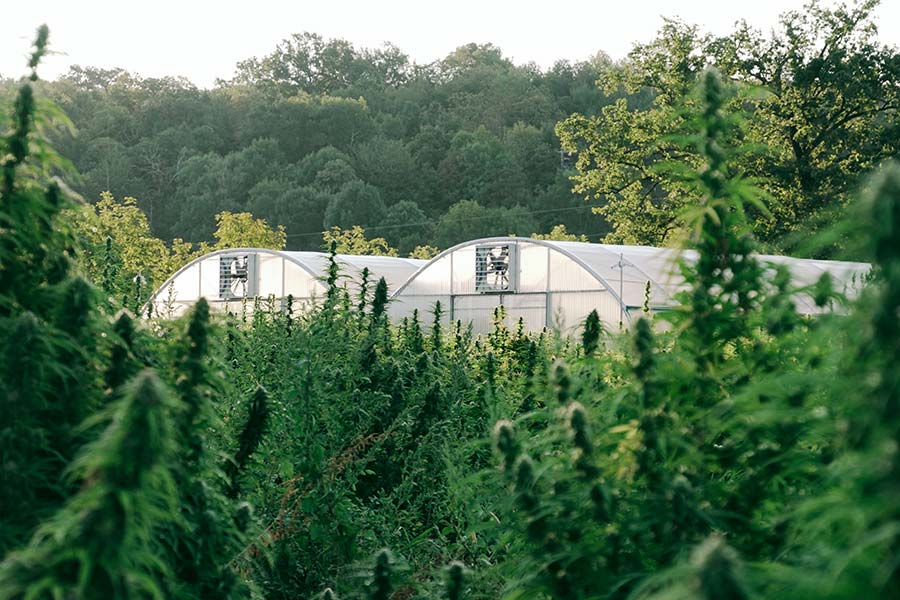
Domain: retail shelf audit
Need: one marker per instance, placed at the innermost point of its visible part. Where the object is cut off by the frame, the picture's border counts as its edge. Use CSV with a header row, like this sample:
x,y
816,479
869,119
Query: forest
x,y
728,449
319,133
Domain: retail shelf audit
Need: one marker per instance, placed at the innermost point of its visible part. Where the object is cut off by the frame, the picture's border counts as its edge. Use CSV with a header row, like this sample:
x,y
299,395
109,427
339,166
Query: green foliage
x,y
319,128
424,252
354,241
559,234
380,587
729,448
379,301
101,543
455,580
48,370
133,262
249,440
820,96
122,230
717,567
122,362
356,203
405,224
694,442
590,336
241,230
104,469
865,393
469,220
319,133
213,528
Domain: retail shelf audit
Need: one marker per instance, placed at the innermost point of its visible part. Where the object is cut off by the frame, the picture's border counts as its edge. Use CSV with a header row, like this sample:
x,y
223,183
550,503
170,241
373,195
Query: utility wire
x,y
435,222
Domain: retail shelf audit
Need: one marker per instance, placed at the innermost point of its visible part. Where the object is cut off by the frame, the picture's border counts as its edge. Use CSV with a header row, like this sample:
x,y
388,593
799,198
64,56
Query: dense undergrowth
x,y
736,450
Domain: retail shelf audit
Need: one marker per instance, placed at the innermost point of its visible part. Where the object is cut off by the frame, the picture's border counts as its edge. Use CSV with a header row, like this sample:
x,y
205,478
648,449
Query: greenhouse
x,y
556,284
228,278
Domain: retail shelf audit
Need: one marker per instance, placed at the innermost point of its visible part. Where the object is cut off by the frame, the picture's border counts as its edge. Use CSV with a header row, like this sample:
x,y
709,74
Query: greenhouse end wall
x,y
533,280
233,280
557,284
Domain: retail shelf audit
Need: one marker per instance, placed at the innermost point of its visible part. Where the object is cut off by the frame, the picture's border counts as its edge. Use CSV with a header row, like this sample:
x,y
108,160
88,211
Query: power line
x,y
435,222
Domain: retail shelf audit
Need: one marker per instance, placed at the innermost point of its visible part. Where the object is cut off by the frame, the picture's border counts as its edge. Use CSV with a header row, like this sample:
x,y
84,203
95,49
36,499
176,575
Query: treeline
x,y
320,133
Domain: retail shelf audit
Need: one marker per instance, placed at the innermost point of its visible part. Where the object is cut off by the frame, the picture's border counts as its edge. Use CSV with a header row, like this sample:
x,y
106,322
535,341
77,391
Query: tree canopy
x,y
818,102
321,133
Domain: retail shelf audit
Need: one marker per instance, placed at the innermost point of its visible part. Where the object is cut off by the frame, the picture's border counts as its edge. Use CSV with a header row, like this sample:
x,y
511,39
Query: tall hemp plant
x,y
103,542
103,472
96,534
49,365
214,527
846,539
662,471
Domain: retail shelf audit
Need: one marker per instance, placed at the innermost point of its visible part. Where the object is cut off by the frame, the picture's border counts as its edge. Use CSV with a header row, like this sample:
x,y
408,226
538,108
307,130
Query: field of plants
x,y
728,449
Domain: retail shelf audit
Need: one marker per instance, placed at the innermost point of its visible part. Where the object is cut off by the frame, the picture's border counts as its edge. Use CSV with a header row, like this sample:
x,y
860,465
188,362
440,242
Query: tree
x,y
302,212
263,199
262,159
468,220
134,248
831,112
353,241
497,98
201,193
334,175
478,166
208,184
311,164
304,123
574,86
389,165
619,148
557,204
424,252
559,234
107,168
405,225
471,56
323,113
429,146
820,100
299,209
342,122
531,149
357,203
618,151
306,61
94,78
241,230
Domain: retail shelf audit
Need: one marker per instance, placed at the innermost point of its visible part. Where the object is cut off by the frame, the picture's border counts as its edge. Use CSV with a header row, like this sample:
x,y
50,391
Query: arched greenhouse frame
x,y
229,278
556,284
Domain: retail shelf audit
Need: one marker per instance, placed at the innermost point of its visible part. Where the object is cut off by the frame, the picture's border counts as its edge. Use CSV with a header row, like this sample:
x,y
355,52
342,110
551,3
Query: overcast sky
x,y
204,39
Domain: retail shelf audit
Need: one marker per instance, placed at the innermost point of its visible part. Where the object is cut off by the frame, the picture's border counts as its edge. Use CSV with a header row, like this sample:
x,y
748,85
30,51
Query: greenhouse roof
x,y
642,264
225,277
572,277
394,270
625,271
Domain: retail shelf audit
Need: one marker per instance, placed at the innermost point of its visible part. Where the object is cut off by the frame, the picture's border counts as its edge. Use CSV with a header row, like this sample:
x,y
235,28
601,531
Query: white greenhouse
x,y
545,283
556,284
227,278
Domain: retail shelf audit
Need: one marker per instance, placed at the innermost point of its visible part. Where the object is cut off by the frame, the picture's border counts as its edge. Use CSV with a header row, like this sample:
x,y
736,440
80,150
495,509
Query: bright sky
x,y
204,39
